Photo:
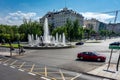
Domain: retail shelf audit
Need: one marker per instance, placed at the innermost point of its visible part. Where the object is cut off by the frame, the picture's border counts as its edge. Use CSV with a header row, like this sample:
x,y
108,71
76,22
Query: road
x,y
60,60
66,58
8,73
16,69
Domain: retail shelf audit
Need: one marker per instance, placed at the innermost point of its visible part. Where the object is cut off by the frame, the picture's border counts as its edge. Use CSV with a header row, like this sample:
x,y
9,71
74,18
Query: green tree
x,y
69,29
29,27
76,27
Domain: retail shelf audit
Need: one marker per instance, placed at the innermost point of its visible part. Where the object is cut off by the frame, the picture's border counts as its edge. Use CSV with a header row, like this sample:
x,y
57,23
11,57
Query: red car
x,y
91,56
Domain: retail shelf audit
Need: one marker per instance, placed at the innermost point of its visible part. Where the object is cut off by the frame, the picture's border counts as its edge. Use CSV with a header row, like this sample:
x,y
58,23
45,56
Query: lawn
x,y
7,45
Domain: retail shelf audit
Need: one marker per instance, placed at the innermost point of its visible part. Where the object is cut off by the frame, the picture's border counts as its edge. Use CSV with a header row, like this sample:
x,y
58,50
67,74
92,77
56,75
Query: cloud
x,y
99,16
16,18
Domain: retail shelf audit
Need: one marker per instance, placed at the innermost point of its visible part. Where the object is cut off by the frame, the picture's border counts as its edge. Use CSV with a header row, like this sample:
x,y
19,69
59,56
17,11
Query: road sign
x,y
114,47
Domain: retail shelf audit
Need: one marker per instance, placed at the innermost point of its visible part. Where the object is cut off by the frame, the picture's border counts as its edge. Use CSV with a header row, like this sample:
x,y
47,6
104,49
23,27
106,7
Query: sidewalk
x,y
110,73
7,54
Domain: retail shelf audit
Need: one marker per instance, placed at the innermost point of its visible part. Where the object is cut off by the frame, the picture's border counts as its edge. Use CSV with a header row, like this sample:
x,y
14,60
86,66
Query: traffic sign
x,y
114,47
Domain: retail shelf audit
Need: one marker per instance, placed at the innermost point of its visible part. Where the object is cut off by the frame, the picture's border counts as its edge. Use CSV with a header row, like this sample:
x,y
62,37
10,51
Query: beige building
x,y
114,27
94,24
58,18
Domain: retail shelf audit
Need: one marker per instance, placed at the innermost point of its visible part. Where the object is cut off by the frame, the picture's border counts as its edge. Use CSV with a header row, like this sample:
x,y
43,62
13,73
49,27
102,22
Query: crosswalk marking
x,y
14,62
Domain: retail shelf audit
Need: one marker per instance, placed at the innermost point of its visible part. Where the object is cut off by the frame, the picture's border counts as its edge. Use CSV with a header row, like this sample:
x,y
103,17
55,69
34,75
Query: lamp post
x,y
11,48
19,47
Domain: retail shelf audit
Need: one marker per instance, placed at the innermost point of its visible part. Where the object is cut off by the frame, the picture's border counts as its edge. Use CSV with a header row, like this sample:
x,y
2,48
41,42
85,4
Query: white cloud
x,y
16,18
100,16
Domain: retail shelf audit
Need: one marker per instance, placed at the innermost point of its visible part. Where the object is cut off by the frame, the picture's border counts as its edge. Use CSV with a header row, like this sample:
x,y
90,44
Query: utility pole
x,y
116,14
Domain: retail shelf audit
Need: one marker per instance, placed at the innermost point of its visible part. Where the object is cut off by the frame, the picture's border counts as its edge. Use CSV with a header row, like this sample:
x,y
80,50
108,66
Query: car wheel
x,y
98,59
81,58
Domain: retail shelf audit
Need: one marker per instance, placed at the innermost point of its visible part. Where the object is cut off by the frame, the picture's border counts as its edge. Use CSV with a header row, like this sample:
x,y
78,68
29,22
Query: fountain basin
x,y
48,47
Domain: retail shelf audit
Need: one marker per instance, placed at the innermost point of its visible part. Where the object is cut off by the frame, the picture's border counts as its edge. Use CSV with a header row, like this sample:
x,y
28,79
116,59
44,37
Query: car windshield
x,y
96,53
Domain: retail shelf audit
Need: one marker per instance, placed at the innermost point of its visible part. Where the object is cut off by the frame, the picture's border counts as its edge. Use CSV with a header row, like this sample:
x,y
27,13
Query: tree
x,y
76,27
69,30
29,27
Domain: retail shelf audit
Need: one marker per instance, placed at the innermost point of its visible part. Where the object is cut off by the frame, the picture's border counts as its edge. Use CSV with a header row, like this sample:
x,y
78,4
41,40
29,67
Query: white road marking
x,y
31,73
12,66
45,78
21,70
76,76
5,64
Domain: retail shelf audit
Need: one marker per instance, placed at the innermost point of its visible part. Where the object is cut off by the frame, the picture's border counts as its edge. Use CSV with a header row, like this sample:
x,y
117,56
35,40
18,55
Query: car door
x,y
86,55
92,56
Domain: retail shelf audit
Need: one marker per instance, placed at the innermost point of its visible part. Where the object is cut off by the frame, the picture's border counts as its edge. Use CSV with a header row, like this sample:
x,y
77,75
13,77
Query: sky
x,y
12,12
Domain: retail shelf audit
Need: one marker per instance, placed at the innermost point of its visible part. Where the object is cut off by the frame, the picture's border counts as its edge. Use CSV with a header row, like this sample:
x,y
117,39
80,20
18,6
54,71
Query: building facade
x,y
59,18
114,27
95,25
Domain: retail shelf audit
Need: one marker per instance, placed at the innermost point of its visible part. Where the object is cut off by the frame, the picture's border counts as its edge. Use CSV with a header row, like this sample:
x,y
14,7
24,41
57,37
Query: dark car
x,y
79,43
115,44
93,56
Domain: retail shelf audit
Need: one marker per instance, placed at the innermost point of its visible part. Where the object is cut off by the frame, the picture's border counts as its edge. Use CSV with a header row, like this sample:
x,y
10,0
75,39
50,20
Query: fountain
x,y
47,41
46,32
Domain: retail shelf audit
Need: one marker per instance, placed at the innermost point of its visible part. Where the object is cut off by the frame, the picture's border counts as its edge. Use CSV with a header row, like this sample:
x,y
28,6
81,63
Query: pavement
x,y
7,54
100,71
110,72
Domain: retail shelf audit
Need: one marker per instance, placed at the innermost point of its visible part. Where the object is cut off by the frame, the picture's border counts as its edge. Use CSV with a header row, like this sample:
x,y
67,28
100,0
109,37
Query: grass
x,y
7,45
94,42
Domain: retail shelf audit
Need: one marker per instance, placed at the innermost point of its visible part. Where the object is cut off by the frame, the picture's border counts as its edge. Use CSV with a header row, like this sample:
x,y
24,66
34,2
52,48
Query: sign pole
x,y
118,62
110,59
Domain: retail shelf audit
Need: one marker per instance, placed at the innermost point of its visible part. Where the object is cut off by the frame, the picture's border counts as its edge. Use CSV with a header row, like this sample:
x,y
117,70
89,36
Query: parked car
x,y
115,44
79,43
93,56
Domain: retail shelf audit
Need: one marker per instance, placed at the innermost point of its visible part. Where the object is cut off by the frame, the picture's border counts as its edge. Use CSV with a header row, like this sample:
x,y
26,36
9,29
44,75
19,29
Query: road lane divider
x,y
21,70
62,75
78,75
31,70
5,64
45,71
12,67
45,78
13,62
7,60
31,73
22,65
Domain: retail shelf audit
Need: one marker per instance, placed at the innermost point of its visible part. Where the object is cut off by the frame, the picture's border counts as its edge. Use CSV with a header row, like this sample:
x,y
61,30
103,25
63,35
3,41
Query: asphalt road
x,y
7,73
16,69
66,58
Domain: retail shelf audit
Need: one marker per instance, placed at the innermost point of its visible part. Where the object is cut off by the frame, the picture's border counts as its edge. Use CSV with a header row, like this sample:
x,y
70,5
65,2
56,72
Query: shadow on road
x,y
89,61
